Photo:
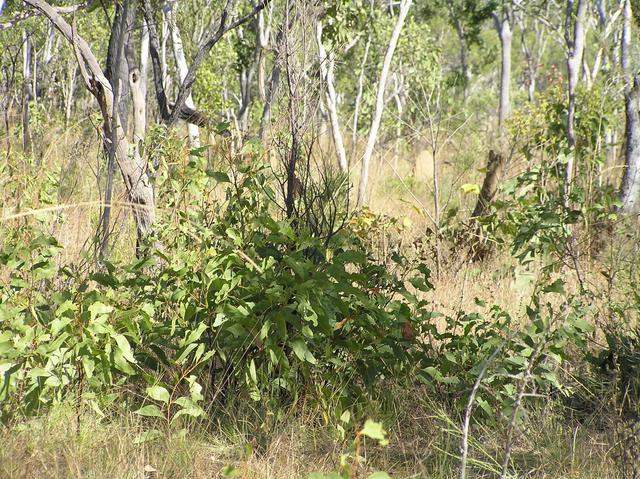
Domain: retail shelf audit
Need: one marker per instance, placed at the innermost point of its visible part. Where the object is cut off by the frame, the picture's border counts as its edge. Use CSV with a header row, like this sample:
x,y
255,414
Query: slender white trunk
x,y
263,33
504,32
586,75
27,93
405,5
630,189
181,65
72,75
327,64
356,111
48,46
163,52
144,60
575,45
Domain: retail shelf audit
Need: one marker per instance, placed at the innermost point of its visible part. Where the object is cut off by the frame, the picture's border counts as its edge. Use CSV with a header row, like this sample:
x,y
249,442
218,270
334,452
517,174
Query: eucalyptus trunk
x,y
630,189
405,5
133,168
181,66
575,44
327,66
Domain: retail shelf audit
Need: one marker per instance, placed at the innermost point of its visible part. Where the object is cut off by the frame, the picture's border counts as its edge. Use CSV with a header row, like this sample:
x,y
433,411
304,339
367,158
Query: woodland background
x,y
323,239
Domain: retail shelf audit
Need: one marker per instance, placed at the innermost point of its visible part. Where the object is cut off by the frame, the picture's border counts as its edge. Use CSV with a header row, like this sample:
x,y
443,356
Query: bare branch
x,y
210,40
178,110
25,15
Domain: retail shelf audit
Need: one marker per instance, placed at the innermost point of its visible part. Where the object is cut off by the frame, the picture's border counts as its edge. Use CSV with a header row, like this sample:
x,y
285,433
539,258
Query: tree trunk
x,y
27,94
182,67
630,188
405,5
630,191
246,81
464,62
503,28
356,111
263,34
117,72
495,169
133,168
69,90
327,64
144,67
575,46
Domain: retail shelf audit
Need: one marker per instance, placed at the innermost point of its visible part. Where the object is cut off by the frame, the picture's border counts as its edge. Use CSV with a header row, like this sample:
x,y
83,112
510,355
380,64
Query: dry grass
x,y
424,435
424,442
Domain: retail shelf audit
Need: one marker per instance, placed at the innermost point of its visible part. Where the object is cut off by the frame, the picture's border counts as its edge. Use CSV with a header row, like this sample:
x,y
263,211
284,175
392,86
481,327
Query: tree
x,y
122,78
327,72
132,167
502,24
575,39
405,5
630,189
214,33
467,17
181,65
533,21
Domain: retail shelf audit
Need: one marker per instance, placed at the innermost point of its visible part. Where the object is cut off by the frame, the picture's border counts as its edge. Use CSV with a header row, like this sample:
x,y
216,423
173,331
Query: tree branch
x,y
25,15
210,40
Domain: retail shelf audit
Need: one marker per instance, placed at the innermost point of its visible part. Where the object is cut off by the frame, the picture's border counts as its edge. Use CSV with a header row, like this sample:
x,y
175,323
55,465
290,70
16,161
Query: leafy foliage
x,y
239,297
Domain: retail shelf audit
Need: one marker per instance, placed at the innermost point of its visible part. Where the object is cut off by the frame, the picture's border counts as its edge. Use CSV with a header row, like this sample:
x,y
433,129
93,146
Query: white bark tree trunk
x,y
356,110
69,90
132,167
630,189
182,67
503,28
405,5
327,64
144,65
575,46
27,93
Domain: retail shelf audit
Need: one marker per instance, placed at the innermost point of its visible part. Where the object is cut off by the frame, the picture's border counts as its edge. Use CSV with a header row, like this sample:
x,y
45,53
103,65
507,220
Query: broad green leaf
x,y
300,349
125,348
583,326
195,334
374,430
188,408
345,416
98,309
556,287
252,372
158,393
150,410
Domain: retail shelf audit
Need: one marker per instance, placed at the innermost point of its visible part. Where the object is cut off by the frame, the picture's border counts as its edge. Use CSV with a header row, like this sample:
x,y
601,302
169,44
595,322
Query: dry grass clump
x,y
424,442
